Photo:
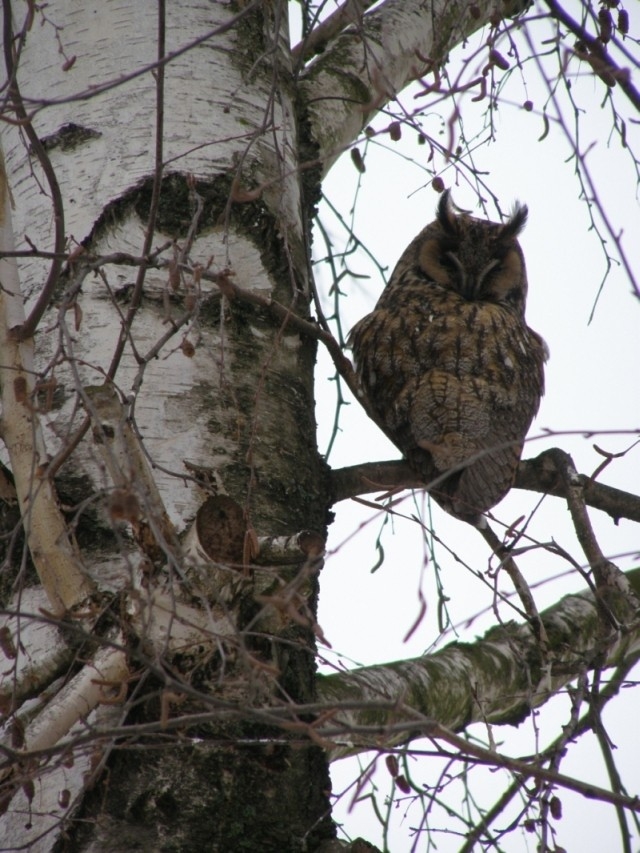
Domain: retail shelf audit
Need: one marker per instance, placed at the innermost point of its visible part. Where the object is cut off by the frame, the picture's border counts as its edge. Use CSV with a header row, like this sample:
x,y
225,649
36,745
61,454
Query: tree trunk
x,y
221,406
162,498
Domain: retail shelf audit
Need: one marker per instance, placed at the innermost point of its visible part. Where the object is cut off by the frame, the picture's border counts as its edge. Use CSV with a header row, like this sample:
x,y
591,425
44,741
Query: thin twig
x,y
521,586
31,322
136,296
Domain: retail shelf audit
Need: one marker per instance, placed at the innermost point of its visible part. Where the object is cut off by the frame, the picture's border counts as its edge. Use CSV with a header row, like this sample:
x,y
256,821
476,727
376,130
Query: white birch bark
x,y
371,62
236,126
206,135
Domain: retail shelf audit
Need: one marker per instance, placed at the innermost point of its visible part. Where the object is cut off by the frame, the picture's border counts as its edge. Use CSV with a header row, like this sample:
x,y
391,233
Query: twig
x,y
30,324
493,759
136,295
537,475
521,586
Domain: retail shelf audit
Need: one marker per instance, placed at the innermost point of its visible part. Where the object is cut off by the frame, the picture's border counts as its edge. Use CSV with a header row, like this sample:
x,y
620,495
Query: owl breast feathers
x,y
448,362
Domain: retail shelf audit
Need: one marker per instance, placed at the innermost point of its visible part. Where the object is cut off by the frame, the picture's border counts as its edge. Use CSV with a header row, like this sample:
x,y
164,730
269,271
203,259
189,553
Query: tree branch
x,y
498,679
56,559
541,475
350,12
360,72
600,60
537,475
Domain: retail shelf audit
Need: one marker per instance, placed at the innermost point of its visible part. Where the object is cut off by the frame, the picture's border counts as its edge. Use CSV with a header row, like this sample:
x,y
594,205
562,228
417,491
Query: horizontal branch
x,y
536,475
541,475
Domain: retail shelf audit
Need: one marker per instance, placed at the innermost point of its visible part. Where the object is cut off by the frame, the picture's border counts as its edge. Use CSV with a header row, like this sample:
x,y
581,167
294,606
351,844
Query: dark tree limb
x,y
504,554
541,475
537,475
600,59
604,572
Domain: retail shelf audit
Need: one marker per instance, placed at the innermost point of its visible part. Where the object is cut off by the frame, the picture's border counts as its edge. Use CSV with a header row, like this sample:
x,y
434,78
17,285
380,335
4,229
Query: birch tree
x,y
165,505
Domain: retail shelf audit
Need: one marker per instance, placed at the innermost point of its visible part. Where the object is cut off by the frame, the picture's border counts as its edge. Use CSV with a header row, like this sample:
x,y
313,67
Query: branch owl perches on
x,y
448,361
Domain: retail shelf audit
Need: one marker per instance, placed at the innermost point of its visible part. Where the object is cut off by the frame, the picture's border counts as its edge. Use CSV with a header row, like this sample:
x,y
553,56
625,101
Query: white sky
x,y
591,384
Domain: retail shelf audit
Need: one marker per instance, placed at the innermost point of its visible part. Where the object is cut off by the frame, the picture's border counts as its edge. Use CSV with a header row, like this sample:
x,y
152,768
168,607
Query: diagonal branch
x,y
498,679
603,65
362,70
350,12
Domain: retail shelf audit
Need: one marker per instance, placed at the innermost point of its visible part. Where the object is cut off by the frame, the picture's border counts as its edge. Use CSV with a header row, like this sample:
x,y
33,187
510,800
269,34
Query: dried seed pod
x,y
395,131
555,807
357,160
498,59
623,21
606,25
402,783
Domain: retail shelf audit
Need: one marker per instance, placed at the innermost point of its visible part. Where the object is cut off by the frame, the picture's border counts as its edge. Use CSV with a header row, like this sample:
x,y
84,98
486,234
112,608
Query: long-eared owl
x,y
448,362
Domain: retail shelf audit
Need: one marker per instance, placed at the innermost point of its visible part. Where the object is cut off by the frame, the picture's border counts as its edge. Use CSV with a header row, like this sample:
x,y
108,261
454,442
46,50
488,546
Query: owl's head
x,y
480,260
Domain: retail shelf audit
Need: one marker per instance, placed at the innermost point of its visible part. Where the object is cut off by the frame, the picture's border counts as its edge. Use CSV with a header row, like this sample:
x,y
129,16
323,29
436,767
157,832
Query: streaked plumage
x,y
448,361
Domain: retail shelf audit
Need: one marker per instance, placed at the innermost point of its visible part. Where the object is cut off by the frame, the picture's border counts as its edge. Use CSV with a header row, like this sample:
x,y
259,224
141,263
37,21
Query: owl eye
x,y
450,261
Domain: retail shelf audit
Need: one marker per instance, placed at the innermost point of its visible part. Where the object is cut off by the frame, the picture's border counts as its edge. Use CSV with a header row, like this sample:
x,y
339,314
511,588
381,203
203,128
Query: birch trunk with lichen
x,y
159,394
160,430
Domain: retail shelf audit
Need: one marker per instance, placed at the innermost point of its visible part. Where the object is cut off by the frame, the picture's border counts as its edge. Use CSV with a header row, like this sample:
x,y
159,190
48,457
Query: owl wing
x,y
470,434
472,412
456,384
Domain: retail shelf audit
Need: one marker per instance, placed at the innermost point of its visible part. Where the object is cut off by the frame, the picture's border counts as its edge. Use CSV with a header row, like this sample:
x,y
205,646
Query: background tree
x,y
165,504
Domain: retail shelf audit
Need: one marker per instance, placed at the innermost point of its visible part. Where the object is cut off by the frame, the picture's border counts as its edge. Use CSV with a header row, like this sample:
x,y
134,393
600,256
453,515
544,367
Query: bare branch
x,y
537,475
458,685
57,561
599,51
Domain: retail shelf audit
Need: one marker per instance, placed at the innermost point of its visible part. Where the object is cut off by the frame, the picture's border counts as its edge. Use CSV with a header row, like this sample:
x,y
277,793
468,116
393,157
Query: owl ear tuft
x,y
445,215
516,222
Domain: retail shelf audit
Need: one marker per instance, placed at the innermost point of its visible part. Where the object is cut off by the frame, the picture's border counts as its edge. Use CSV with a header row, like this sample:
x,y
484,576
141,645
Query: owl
x,y
448,362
